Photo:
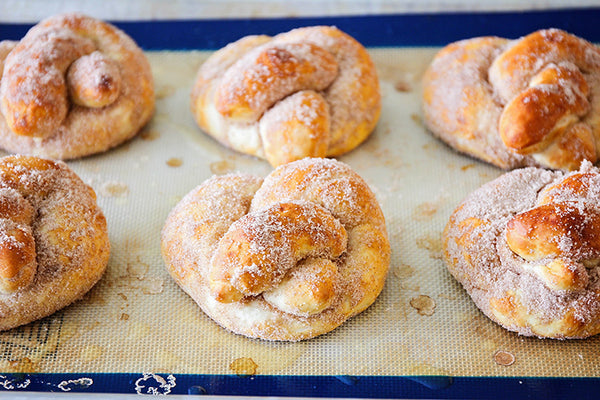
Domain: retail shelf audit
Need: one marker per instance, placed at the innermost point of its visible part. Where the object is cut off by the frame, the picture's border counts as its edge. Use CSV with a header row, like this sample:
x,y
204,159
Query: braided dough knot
x,y
73,86
542,79
285,258
530,101
310,92
526,247
53,239
560,236
261,248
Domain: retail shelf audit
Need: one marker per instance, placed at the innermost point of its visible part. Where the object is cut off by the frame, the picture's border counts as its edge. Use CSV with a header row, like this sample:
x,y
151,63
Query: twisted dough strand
x,y
34,91
260,248
17,249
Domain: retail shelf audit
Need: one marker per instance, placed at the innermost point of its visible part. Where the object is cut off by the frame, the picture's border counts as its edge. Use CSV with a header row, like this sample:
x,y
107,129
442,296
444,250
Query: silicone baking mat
x,y
137,332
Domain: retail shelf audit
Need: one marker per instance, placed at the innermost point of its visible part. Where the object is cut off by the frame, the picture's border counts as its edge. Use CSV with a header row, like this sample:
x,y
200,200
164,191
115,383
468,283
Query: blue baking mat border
x,y
373,31
414,387
433,29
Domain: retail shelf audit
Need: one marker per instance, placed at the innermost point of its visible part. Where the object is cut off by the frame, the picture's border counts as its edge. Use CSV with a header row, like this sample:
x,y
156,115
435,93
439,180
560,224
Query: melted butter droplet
x,y
504,358
403,86
243,366
150,135
221,167
174,162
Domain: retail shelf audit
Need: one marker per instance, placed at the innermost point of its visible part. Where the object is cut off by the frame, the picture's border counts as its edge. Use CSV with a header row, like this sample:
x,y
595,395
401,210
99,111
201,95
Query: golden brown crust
x,y
94,81
530,101
73,86
526,248
310,92
310,231
53,239
287,258
17,249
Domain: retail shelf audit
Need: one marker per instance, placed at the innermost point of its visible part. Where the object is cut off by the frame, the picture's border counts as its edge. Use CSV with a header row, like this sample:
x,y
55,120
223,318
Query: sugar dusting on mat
x,y
114,189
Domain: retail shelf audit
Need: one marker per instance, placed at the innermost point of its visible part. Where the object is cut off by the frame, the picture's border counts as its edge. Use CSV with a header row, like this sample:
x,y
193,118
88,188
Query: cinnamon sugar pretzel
x,y
289,257
310,92
526,247
53,239
73,86
534,101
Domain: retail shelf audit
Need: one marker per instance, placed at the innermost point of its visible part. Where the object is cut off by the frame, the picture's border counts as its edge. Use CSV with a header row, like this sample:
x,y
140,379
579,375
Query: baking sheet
x,y
138,323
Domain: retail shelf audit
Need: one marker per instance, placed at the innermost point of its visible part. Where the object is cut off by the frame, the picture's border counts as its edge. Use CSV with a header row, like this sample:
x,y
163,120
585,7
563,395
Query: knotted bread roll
x,y
287,258
526,247
310,92
53,239
534,101
73,86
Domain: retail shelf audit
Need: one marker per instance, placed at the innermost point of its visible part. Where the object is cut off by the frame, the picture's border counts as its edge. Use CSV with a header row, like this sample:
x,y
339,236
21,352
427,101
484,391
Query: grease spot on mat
x,y
164,91
425,211
403,271
149,134
174,162
243,366
504,358
91,352
402,86
22,365
113,189
423,304
432,244
221,167
416,118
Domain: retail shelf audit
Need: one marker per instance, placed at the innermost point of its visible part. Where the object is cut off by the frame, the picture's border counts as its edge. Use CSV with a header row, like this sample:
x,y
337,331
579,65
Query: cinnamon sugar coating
x,y
53,239
526,247
289,257
72,87
533,101
310,92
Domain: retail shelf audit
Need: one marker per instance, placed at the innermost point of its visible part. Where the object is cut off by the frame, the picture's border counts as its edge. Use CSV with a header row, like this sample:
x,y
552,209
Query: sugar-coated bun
x,y
289,257
533,101
310,92
53,239
73,86
526,247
